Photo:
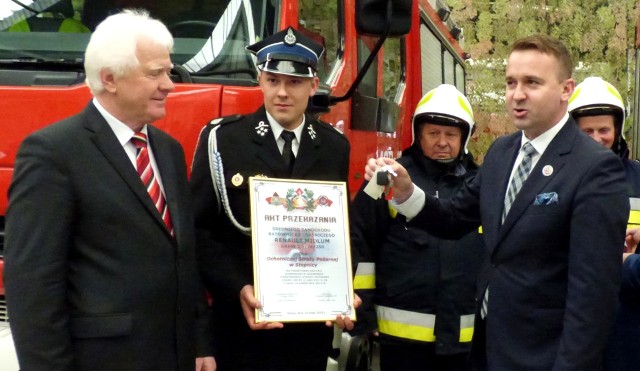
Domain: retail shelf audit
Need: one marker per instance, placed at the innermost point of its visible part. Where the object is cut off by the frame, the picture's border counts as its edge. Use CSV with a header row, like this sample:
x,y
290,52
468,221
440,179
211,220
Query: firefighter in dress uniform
x,y
599,110
418,291
232,149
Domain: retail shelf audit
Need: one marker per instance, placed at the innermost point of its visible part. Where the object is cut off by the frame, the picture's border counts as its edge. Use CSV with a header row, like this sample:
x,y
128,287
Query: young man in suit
x,y
100,268
231,150
553,209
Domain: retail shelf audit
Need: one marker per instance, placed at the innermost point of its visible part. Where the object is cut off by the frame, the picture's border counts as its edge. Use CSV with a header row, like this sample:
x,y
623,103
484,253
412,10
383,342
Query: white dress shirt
x,y
277,129
124,135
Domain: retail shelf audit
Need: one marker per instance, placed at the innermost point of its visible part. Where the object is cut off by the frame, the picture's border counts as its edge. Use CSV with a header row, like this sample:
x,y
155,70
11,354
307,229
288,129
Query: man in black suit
x,y
553,208
231,150
100,268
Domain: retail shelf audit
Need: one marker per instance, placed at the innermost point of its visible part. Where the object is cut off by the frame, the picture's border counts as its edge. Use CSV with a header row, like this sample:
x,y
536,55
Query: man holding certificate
x,y
276,141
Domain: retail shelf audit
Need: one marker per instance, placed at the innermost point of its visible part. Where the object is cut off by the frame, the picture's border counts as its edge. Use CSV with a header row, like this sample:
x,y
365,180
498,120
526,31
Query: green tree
x,y
599,34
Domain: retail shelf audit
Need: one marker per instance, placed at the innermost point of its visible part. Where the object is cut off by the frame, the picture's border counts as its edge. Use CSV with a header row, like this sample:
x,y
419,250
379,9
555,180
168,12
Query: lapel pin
x,y
262,128
237,179
312,133
547,170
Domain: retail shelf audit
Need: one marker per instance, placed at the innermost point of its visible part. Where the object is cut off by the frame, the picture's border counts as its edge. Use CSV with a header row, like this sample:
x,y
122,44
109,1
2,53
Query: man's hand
x,y
402,184
249,304
344,322
631,240
206,364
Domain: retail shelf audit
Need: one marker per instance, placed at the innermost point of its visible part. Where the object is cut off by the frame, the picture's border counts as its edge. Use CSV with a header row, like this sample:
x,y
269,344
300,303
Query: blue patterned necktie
x,y
521,174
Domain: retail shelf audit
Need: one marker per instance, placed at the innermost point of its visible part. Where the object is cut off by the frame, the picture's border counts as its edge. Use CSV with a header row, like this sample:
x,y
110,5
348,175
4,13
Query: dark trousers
x,y
296,347
419,357
478,357
251,363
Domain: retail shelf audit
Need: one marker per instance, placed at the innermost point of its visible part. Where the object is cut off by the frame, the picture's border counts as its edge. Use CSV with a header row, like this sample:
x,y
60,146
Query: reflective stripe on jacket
x,y
417,326
365,277
634,214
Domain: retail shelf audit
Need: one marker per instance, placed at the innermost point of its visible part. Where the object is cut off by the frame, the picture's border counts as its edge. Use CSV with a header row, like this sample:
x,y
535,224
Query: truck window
x,y
369,84
210,35
317,19
393,68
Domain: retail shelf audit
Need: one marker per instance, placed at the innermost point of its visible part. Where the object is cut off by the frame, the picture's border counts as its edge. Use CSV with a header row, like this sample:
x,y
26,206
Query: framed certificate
x,y
301,250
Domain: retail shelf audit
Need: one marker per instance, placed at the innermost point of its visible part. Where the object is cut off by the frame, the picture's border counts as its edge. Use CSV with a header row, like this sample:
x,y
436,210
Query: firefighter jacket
x,y
416,287
621,353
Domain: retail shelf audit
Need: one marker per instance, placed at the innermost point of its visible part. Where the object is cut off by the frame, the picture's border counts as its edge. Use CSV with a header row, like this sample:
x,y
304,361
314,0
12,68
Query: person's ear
x,y
568,87
315,83
108,80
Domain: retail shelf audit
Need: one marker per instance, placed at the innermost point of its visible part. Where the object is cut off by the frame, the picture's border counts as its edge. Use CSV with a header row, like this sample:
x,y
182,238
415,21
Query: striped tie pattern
x,y
145,171
521,174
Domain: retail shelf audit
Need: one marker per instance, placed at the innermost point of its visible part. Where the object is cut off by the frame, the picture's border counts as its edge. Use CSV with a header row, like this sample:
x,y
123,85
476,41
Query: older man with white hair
x,y
100,268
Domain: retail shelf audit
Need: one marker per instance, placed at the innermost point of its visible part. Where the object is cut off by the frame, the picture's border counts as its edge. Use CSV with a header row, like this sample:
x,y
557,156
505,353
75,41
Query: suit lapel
x,y
500,181
553,158
167,168
107,143
269,154
308,152
267,151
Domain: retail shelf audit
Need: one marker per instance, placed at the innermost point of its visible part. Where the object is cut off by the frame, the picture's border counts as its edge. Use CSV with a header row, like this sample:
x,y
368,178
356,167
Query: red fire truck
x,y
368,88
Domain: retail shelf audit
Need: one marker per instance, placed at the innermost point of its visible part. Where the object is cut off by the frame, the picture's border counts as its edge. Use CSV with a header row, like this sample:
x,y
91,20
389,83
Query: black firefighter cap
x,y
288,52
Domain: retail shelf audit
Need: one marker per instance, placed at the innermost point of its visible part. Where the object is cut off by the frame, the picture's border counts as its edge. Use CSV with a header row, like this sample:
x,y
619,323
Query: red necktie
x,y
145,171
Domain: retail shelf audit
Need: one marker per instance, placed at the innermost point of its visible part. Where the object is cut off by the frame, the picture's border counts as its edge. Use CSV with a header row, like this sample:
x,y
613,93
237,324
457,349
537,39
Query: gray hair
x,y
113,44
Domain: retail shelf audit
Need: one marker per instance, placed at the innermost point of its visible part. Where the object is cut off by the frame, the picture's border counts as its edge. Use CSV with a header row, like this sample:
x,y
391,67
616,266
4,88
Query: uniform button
x,y
179,309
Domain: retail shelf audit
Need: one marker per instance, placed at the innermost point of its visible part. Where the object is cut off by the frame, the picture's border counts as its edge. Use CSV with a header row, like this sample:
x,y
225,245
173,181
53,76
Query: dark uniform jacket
x,y
248,148
622,350
415,271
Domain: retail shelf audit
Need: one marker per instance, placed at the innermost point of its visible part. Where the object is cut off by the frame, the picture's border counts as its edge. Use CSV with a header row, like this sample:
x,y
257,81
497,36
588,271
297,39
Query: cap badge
x,y
312,133
237,180
290,38
262,128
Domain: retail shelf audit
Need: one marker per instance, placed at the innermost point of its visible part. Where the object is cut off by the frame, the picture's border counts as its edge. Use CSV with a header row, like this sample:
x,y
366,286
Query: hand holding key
x,y
387,173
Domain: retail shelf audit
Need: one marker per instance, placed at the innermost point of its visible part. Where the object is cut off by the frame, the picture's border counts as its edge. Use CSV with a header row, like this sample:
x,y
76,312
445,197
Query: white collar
x,y
542,141
277,129
122,131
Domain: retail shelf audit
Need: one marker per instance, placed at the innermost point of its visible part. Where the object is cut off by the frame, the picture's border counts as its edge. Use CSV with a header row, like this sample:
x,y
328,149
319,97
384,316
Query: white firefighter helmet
x,y
446,106
593,97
